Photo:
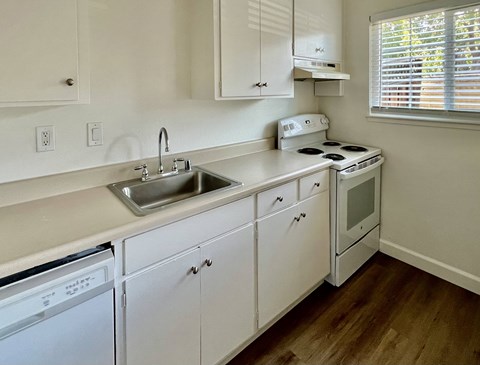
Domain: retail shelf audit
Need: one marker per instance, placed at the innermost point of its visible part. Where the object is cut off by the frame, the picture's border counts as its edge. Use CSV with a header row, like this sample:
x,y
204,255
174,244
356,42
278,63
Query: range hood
x,y
315,70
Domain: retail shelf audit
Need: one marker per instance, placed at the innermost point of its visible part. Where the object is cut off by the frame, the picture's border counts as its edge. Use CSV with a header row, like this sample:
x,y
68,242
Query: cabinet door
x,y
314,253
318,29
228,294
240,47
276,47
293,254
162,314
278,257
39,43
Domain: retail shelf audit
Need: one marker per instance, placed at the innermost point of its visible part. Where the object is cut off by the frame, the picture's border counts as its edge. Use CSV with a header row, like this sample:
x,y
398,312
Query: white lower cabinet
x,y
162,314
195,307
195,291
293,254
227,294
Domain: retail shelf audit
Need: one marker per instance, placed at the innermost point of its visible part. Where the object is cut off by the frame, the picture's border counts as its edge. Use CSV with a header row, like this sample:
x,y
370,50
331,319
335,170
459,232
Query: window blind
x,y
428,62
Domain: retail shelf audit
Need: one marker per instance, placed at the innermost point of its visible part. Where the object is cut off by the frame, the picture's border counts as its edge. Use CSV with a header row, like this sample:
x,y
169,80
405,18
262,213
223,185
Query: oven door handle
x,y
351,175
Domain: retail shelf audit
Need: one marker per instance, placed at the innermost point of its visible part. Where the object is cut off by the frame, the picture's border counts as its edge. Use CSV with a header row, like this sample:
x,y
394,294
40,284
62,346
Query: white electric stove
x,y
354,190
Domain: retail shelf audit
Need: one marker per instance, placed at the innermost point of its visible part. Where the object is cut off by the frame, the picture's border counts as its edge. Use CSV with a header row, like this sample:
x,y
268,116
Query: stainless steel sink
x,y
159,192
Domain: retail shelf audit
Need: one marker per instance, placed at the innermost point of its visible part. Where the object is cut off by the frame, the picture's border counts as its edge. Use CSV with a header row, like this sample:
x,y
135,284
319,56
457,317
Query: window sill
x,y
425,121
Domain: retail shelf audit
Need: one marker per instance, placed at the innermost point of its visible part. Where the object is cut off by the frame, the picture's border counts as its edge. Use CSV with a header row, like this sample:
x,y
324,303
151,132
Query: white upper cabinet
x,y
41,42
242,49
255,48
318,29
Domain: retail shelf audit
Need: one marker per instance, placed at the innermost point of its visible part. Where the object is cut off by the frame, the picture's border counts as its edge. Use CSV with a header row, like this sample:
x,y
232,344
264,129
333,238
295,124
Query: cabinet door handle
x,y
317,184
258,84
319,50
70,82
194,270
280,198
265,84
302,215
209,262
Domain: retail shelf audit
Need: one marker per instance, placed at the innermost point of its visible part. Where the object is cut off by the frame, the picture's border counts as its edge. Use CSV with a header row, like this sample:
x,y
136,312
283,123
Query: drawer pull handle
x,y
317,184
209,262
280,198
194,270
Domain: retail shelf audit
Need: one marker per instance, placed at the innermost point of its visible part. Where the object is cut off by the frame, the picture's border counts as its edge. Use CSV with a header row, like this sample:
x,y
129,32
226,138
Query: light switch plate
x,y
94,134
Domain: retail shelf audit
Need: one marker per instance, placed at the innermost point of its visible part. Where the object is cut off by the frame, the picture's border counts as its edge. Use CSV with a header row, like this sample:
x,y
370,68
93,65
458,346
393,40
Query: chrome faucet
x,y
167,148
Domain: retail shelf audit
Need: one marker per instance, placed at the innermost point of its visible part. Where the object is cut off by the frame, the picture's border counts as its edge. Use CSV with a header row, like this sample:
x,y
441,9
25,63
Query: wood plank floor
x,y
387,313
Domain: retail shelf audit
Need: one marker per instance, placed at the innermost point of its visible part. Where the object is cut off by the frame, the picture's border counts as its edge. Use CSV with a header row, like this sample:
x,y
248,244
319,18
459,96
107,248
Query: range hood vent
x,y
318,71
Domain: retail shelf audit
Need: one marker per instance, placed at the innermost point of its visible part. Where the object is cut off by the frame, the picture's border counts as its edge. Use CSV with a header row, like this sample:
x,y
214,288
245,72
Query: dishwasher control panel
x,y
53,289
71,288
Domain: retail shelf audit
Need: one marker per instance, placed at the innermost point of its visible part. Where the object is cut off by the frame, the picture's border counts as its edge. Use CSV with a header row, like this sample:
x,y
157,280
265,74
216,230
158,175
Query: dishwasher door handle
x,y
21,325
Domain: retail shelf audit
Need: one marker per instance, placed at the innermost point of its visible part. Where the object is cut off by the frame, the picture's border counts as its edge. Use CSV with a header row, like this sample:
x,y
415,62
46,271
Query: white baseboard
x,y
432,266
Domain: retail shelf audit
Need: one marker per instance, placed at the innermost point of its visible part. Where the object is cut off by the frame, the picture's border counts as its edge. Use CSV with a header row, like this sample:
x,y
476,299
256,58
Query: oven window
x,y
360,202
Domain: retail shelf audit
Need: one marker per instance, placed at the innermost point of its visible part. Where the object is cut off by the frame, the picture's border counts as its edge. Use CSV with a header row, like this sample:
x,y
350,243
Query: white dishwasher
x,y
59,313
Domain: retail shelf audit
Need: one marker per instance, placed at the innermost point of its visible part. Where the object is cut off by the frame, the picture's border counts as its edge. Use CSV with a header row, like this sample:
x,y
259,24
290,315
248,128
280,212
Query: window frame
x,y
429,115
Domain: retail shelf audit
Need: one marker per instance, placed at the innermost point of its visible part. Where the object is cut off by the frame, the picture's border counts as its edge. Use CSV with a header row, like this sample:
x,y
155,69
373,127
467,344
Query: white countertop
x,y
43,230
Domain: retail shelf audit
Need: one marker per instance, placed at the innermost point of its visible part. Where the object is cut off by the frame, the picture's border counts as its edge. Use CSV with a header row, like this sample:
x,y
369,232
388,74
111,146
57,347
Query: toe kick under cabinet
x,y
199,290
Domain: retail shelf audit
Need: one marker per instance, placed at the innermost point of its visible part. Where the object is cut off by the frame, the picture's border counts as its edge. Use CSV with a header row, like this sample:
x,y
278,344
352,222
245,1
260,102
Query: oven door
x,y
358,202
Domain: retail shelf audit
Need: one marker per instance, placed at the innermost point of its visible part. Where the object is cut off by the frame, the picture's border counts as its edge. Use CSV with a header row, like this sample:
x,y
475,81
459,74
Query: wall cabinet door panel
x,y
256,48
40,43
318,29
276,45
240,47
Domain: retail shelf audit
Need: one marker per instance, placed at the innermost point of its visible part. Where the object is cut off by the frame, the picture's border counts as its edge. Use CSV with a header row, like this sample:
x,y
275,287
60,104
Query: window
x,y
426,63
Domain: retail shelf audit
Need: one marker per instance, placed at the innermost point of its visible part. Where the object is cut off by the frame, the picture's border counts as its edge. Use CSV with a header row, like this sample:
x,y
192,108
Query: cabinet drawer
x,y
153,246
314,184
277,198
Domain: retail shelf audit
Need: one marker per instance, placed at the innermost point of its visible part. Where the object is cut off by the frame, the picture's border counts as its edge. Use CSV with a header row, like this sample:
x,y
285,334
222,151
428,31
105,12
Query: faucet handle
x,y
188,164
144,169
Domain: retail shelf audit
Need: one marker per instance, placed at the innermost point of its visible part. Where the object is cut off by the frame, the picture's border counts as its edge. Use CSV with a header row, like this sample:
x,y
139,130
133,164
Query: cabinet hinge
x,y
124,300
256,319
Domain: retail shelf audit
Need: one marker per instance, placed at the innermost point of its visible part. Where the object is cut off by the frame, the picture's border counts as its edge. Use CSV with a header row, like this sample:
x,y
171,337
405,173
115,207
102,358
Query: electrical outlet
x,y
45,138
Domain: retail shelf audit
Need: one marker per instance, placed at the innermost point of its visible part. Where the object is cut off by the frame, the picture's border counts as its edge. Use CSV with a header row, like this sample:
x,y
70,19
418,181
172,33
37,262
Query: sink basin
x,y
145,197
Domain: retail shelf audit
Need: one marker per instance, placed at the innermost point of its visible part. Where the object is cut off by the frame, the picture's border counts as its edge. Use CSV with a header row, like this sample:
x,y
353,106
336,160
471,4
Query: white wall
x,y
140,81
430,192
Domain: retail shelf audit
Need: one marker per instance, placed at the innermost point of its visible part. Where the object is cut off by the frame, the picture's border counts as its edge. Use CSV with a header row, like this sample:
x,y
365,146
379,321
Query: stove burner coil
x,y
310,151
331,143
354,149
334,156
